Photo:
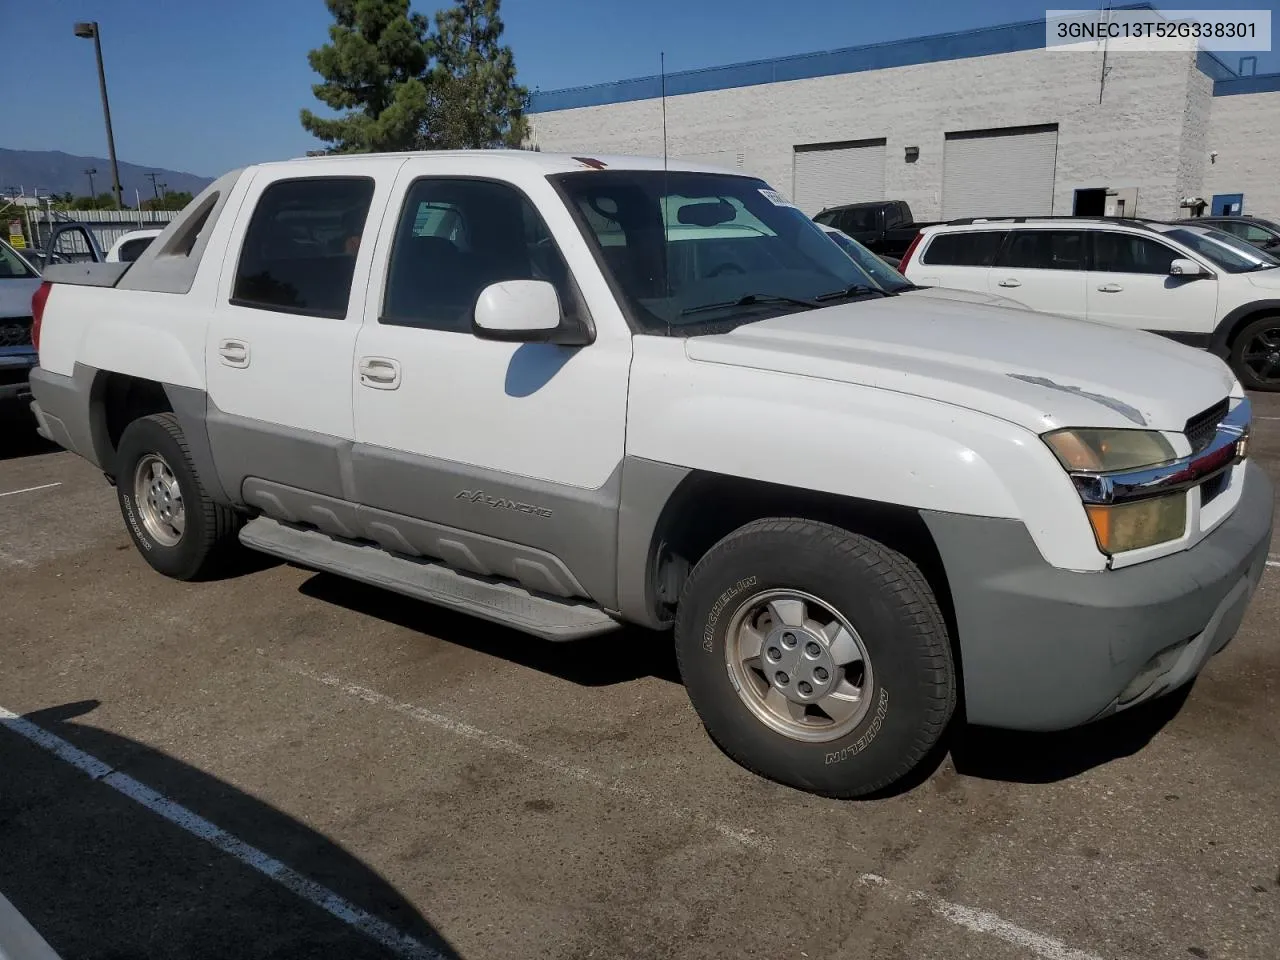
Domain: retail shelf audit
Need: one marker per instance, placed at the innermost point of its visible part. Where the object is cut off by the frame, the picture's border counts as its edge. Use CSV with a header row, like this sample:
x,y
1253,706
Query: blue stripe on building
x,y
980,42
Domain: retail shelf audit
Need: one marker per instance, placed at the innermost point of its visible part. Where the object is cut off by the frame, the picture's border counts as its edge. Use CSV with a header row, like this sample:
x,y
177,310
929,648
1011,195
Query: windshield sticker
x,y
777,199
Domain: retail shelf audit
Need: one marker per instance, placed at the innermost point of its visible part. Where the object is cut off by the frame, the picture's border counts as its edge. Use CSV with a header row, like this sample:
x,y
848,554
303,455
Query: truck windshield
x,y
12,266
693,252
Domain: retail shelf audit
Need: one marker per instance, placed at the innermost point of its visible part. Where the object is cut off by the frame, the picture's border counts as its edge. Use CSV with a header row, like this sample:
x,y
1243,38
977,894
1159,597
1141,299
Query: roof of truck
x,y
546,162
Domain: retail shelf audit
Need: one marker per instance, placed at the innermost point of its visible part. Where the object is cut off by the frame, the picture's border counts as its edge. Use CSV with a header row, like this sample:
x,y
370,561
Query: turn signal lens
x,y
1099,451
1142,523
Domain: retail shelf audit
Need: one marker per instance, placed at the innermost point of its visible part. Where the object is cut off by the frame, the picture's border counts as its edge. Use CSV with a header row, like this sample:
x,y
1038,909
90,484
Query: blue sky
x,y
206,85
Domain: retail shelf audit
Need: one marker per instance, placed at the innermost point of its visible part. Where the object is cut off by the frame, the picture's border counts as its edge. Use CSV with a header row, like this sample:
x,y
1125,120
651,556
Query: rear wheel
x,y
1255,354
173,523
815,656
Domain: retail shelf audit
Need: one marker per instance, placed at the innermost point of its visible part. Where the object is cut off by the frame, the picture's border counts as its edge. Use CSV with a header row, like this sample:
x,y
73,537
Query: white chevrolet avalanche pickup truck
x,y
566,394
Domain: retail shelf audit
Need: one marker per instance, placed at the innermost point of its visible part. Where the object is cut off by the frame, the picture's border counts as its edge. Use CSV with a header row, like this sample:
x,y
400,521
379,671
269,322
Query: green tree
x,y
374,71
170,200
476,101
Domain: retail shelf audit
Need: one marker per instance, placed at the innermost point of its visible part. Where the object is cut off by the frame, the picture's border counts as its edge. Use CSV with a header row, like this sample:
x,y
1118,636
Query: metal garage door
x,y
999,173
827,174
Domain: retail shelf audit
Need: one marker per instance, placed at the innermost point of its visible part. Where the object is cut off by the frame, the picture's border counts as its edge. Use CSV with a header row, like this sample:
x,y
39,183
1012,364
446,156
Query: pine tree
x,y
375,72
476,101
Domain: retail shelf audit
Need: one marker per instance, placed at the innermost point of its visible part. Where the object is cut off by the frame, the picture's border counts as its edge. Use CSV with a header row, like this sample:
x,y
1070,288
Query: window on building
x,y
455,237
976,248
300,248
1130,253
1043,250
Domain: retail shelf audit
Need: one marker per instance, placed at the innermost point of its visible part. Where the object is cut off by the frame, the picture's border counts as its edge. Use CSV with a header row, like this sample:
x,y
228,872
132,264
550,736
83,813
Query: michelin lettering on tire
x,y
864,741
133,522
717,608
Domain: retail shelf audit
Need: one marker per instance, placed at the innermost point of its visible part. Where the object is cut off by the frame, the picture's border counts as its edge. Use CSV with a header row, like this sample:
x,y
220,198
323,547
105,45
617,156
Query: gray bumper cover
x,y
1046,649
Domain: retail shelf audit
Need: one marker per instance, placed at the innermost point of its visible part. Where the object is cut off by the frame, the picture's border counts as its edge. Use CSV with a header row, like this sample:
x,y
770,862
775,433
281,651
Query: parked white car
x,y
129,246
567,393
1192,284
890,279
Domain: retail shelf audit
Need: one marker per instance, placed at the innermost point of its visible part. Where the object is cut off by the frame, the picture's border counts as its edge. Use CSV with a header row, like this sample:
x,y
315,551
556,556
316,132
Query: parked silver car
x,y
19,281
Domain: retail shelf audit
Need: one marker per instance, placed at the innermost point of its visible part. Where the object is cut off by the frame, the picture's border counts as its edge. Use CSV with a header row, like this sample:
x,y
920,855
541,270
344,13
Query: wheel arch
x,y
704,507
1228,327
118,399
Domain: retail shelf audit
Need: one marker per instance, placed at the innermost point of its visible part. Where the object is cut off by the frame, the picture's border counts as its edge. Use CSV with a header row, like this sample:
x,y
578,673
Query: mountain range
x,y
53,171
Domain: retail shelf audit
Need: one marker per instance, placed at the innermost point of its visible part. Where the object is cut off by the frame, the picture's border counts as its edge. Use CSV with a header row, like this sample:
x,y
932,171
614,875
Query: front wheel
x,y
815,656
1255,354
175,526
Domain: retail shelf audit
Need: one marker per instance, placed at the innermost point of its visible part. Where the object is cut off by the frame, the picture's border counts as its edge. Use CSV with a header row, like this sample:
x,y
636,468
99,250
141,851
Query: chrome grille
x,y
15,333
1202,428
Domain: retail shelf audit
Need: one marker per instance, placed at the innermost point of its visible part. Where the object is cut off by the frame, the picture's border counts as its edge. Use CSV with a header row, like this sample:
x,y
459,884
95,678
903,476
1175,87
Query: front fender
x,y
855,441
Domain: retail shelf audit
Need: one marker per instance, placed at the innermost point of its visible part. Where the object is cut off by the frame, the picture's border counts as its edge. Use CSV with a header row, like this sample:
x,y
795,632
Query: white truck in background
x,y
568,393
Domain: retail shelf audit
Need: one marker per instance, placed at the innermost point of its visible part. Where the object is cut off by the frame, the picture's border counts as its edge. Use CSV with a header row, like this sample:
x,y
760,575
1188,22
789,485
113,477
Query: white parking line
x,y
194,824
970,918
43,486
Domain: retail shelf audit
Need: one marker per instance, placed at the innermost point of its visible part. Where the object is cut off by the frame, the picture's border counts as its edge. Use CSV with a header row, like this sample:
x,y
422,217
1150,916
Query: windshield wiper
x,y
749,299
856,290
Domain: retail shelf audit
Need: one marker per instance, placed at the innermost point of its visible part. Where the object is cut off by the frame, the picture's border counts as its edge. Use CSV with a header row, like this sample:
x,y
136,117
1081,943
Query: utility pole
x,y
153,176
89,173
89,31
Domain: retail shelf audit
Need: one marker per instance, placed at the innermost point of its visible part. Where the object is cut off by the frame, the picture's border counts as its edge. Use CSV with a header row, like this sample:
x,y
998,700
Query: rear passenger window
x,y
969,249
1130,253
1044,250
456,237
299,252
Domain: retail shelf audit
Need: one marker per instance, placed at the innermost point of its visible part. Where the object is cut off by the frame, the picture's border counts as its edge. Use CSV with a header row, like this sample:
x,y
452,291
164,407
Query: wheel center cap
x,y
798,664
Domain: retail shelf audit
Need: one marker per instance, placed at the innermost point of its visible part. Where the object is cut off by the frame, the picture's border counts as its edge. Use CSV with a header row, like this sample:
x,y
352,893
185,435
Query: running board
x,y
498,601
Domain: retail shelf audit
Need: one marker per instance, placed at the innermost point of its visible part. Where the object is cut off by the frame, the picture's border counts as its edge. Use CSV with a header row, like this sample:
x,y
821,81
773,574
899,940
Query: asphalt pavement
x,y
285,764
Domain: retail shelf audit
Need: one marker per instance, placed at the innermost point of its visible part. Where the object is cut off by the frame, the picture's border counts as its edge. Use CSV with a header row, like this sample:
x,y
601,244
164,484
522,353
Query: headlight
x,y
1101,451
1128,526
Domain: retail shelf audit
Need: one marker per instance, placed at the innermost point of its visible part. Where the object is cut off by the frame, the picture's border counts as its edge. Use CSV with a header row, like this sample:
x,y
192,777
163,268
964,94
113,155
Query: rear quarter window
x,y
975,248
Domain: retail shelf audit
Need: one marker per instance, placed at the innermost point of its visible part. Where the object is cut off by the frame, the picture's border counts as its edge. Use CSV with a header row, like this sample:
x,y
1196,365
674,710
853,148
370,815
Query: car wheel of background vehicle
x,y
1255,354
815,656
175,526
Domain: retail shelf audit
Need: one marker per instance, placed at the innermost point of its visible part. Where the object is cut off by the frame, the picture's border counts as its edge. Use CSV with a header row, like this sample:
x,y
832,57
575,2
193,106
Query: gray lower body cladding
x,y
1047,649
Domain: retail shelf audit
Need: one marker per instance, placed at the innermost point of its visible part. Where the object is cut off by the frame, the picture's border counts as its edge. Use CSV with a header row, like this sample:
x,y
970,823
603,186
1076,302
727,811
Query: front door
x,y
521,444
1129,285
1043,270
280,345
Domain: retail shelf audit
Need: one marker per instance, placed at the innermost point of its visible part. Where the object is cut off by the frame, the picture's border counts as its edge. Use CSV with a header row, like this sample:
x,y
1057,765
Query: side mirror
x,y
523,311
1182,267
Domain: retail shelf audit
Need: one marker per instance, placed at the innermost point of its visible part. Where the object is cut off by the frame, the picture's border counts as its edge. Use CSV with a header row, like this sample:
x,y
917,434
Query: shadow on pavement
x,y
1018,757
613,658
18,437
102,877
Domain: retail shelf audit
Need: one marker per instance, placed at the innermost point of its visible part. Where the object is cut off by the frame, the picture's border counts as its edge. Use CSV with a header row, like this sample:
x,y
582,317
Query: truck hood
x,y
1037,370
16,294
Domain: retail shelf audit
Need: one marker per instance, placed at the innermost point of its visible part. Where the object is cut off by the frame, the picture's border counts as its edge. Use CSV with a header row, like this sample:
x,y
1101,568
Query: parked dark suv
x,y
1255,230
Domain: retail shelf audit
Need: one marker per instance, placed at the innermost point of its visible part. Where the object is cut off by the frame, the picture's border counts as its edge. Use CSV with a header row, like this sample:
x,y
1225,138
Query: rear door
x,y
1043,269
280,347
1129,285
959,259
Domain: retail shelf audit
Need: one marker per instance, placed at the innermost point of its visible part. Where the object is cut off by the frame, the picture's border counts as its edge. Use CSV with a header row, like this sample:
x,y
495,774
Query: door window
x,y
299,251
1044,250
1246,231
1130,253
457,236
964,249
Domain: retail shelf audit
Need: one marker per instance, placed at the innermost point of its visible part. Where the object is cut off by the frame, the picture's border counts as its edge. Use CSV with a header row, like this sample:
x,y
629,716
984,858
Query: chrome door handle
x,y
1010,283
1110,288
234,353
381,373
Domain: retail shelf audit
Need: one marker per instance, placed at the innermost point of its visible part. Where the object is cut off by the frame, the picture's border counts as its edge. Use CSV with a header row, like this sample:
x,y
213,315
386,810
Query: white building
x,y
984,122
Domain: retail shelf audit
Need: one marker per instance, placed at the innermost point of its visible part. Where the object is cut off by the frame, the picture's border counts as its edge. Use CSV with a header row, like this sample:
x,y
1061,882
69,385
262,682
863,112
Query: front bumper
x,y
15,369
1047,649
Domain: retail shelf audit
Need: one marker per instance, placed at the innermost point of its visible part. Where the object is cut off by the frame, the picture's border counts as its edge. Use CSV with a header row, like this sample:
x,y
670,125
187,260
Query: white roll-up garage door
x,y
829,174
999,173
